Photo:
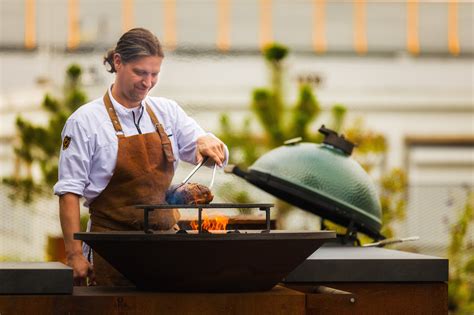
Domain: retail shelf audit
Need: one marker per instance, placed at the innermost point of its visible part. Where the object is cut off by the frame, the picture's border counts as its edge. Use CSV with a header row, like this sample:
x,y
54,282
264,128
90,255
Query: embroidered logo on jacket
x,y
66,142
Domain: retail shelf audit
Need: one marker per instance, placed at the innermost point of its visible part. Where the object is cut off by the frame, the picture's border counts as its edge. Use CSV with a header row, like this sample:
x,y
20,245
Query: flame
x,y
217,222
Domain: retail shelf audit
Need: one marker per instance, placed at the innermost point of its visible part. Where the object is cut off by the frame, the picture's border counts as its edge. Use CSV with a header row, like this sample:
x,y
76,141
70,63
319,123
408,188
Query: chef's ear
x,y
117,61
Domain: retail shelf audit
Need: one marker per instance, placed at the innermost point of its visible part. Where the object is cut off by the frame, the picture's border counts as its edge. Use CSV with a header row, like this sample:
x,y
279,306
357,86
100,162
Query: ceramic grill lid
x,y
322,179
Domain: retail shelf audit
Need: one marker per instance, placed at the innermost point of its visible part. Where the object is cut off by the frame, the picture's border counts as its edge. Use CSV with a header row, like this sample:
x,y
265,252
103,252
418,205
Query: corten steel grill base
x,y
343,298
338,299
380,281
106,300
205,262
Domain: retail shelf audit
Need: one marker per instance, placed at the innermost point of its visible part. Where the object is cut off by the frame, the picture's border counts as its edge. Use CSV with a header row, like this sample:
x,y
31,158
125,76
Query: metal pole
x,y
200,219
145,221
267,217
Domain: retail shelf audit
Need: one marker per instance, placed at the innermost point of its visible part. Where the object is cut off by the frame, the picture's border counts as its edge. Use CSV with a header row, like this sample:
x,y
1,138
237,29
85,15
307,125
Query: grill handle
x,y
235,169
391,241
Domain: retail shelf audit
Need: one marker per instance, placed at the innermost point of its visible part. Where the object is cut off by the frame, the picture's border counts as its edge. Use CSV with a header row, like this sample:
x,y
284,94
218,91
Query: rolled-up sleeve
x,y
74,160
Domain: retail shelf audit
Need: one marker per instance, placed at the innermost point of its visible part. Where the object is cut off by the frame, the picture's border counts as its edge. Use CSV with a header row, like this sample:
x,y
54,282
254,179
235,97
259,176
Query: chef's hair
x,y
134,44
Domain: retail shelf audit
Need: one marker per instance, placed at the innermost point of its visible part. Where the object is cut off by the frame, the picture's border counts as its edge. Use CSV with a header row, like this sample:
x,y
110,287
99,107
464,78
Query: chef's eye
x,y
140,72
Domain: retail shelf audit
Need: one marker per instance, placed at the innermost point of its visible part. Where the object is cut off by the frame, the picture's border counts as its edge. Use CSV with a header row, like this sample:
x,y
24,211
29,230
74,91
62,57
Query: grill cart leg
x,y
267,218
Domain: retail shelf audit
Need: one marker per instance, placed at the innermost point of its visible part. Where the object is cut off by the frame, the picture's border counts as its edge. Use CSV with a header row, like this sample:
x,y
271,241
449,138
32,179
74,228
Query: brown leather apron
x,y
142,175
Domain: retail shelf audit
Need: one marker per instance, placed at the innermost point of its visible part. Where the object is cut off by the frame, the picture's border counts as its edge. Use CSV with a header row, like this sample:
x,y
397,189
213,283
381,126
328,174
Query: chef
x,y
121,150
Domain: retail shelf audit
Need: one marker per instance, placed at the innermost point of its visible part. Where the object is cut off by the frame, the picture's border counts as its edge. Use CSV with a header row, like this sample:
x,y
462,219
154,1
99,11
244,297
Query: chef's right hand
x,y
82,270
212,147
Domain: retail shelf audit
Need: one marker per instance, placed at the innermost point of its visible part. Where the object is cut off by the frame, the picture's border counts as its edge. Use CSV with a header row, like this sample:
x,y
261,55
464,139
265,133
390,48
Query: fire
x,y
217,222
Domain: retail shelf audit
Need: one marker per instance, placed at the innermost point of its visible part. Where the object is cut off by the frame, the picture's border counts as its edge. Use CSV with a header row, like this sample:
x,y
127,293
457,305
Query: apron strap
x,y
165,141
113,115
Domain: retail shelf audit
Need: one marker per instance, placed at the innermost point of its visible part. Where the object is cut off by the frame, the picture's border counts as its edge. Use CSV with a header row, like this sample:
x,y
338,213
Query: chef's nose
x,y
147,81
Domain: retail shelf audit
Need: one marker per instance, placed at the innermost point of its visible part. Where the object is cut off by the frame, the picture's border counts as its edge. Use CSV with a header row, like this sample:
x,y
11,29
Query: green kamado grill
x,y
322,179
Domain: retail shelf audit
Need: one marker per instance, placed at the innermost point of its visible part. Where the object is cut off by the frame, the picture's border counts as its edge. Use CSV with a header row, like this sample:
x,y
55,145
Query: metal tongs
x,y
195,169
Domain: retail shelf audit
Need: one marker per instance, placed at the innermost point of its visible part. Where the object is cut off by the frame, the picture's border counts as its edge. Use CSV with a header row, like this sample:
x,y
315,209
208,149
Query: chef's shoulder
x,y
88,118
168,110
162,104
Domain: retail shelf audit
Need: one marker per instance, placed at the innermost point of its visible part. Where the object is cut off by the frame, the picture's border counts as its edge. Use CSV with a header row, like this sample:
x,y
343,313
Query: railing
x,y
315,25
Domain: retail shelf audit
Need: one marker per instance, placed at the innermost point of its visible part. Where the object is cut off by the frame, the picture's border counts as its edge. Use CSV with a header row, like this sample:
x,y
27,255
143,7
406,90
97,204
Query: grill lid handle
x,y
338,141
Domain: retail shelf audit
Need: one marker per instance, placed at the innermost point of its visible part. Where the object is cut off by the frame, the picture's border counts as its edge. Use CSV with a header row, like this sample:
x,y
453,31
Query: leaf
x,y
338,112
305,111
74,72
51,104
263,106
275,52
469,267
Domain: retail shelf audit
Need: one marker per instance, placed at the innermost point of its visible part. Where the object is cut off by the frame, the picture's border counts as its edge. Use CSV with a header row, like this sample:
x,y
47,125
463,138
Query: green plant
x,y
281,122
38,145
461,262
278,120
370,153
392,200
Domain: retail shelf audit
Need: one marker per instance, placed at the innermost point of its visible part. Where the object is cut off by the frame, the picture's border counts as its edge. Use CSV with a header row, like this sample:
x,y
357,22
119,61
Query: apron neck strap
x,y
165,141
113,115
154,119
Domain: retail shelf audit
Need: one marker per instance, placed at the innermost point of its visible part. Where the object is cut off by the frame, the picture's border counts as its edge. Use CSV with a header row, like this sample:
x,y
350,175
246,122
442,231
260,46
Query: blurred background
x,y
397,76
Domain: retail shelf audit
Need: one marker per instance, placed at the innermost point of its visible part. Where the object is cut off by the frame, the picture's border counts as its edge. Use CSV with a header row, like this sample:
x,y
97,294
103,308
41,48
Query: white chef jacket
x,y
87,164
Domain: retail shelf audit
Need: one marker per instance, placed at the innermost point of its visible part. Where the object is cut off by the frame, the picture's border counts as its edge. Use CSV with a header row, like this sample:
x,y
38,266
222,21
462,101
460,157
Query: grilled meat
x,y
189,194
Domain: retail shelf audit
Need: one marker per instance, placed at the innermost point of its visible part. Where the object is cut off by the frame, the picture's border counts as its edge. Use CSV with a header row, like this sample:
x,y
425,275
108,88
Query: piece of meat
x,y
189,194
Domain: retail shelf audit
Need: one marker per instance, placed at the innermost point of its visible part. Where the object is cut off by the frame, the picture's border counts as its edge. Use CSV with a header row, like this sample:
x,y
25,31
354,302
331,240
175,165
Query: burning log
x,y
216,223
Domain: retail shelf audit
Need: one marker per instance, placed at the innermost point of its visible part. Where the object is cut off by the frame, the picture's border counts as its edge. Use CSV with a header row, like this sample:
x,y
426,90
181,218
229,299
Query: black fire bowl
x,y
205,262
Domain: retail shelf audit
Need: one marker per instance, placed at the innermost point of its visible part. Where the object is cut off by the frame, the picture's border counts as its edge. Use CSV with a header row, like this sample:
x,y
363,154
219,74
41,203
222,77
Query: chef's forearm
x,y
69,214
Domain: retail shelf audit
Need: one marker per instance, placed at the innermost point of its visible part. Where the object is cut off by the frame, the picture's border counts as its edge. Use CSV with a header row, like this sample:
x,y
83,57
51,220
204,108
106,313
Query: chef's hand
x,y
212,147
82,270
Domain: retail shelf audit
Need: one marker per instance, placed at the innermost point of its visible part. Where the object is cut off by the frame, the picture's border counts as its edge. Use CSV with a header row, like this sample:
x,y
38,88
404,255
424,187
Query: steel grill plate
x,y
205,262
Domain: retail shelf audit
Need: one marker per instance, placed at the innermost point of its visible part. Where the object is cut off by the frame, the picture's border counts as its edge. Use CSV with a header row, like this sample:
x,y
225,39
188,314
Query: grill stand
x,y
200,207
350,237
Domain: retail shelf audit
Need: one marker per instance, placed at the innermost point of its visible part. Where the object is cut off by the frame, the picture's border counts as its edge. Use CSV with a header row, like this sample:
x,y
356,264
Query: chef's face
x,y
136,78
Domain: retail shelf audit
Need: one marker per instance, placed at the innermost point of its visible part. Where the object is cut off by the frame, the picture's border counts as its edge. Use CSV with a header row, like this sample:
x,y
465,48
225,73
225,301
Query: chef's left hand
x,y
212,147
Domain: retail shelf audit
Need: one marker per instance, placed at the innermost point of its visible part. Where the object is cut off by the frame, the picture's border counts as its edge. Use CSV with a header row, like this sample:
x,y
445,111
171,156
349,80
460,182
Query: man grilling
x,y
121,150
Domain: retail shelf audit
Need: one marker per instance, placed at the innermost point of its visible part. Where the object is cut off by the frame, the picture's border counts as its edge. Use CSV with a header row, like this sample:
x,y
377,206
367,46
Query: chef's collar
x,y
120,108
